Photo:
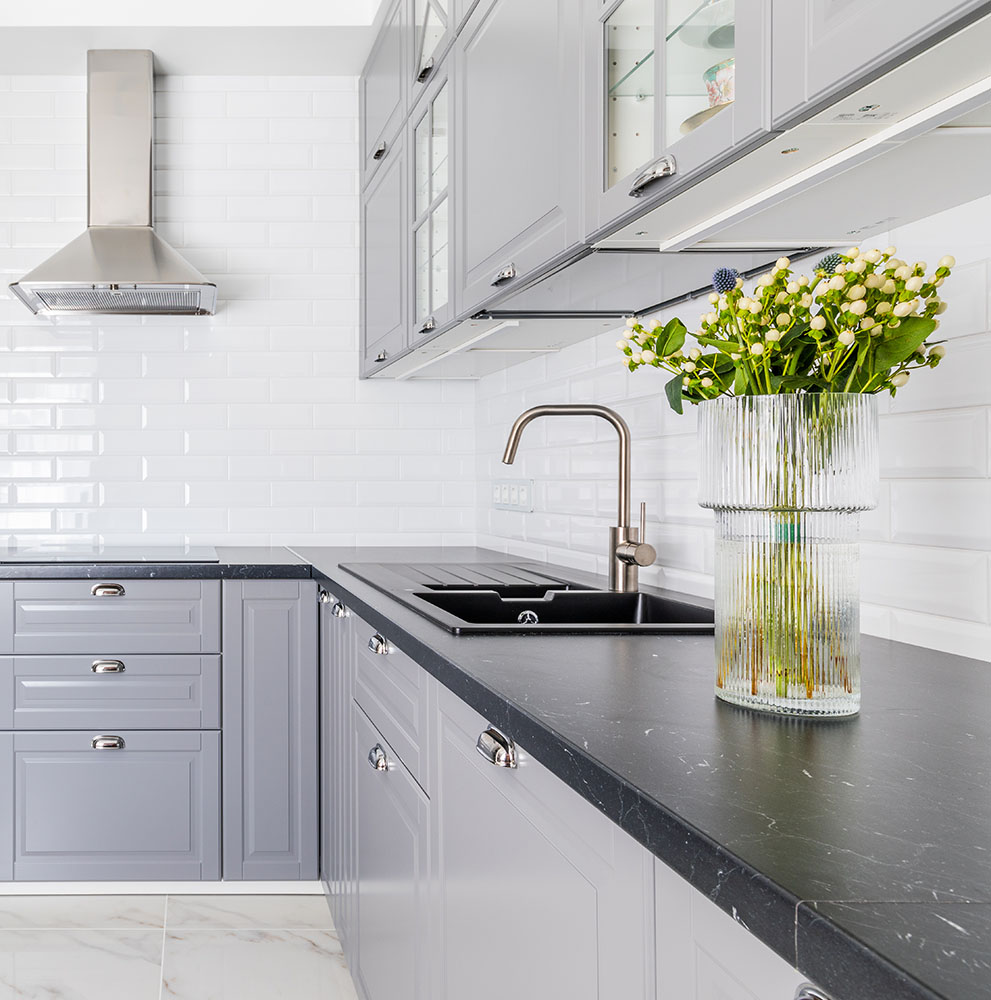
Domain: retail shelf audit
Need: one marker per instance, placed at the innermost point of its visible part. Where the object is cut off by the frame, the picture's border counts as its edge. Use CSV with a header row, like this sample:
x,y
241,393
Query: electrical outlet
x,y
516,494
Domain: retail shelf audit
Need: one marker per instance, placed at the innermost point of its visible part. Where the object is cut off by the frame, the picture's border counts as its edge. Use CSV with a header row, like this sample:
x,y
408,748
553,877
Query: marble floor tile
x,y
80,964
95,912
302,964
247,912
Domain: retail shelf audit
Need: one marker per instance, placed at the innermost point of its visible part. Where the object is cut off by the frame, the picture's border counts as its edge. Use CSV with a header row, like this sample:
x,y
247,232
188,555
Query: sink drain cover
x,y
528,618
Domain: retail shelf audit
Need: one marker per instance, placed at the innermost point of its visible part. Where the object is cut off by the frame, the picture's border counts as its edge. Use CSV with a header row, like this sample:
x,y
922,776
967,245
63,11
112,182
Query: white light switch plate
x,y
513,494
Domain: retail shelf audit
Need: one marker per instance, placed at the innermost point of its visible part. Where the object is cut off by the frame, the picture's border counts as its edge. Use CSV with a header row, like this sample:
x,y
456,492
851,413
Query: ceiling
x,y
209,37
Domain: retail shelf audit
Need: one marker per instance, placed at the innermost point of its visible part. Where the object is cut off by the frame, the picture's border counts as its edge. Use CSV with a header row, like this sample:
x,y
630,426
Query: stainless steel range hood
x,y
120,265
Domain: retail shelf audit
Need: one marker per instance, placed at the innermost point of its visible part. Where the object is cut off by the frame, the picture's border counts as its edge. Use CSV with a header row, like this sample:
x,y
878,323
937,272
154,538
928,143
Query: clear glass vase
x,y
787,476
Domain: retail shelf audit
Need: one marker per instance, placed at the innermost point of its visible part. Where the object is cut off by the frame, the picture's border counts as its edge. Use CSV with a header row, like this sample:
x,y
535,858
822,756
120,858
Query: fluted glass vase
x,y
787,477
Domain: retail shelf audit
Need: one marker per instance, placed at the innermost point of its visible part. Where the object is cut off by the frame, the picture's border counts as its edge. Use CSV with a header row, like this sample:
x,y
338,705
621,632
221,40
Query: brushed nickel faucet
x,y
627,549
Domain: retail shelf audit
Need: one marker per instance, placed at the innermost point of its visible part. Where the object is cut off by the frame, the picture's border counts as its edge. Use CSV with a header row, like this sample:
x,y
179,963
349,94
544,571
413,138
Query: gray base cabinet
x,y
270,730
540,894
127,805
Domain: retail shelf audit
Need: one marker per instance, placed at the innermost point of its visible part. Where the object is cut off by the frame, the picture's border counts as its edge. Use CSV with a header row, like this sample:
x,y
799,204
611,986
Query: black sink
x,y
528,597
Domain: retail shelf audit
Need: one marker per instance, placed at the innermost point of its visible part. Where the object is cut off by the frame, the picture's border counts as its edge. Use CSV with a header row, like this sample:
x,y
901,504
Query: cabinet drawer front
x,y
130,692
392,689
133,616
149,810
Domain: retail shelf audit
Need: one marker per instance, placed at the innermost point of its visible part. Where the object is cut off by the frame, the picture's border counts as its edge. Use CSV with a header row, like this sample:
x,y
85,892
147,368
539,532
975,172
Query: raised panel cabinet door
x,y
270,722
517,170
107,617
384,238
120,805
7,809
382,90
825,48
704,954
126,692
541,895
393,855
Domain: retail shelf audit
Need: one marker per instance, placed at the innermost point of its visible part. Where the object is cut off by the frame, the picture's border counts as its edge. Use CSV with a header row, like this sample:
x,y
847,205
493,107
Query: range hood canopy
x,y
120,265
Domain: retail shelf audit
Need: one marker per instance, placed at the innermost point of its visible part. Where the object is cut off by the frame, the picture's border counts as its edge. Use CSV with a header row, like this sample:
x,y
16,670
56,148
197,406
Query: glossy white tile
x,y
82,912
248,912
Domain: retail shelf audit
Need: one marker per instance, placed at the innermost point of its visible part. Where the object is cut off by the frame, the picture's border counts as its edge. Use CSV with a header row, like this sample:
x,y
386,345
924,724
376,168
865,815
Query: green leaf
x,y
796,381
672,389
908,338
671,338
723,346
740,381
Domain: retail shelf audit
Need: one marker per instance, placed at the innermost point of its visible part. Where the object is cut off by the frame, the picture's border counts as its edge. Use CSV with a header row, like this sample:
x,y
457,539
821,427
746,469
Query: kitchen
x,y
269,524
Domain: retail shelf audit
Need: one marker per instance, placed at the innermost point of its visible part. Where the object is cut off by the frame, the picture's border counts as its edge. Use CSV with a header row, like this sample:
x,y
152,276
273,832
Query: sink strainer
x,y
528,618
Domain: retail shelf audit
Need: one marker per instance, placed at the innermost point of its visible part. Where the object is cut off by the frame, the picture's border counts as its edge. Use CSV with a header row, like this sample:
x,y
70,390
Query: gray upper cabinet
x,y
383,91
271,814
540,894
432,31
384,256
110,617
824,48
673,88
391,961
517,128
118,805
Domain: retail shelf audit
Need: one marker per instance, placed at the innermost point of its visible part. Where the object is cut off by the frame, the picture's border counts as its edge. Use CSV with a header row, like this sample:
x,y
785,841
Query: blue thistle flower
x,y
829,262
724,279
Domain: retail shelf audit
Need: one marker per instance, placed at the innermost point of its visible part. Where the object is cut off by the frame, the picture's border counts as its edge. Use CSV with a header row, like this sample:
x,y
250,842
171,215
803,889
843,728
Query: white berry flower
x,y
654,324
803,280
781,298
637,357
695,354
686,381
739,282
711,318
937,351
706,383
782,319
688,366
939,281
840,269
873,281
904,272
765,279
941,308
713,297
735,357
889,287
855,292
818,322
805,301
920,265
783,262
754,308
846,338
899,379
902,309
836,283
852,252
867,323
873,256
622,344
858,308
890,251
648,356
631,322
857,266
757,348
915,283
882,308
772,336
947,261
793,287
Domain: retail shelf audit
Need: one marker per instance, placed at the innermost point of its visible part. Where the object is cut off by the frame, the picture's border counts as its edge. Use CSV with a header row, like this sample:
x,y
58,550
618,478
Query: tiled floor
x,y
170,948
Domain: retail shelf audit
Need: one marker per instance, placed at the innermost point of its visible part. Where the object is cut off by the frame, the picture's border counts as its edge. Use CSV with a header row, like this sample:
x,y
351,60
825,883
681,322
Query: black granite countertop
x,y
859,850
232,563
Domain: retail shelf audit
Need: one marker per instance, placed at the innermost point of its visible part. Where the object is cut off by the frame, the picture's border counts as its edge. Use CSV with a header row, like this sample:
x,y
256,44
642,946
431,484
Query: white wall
x,y
925,558
249,427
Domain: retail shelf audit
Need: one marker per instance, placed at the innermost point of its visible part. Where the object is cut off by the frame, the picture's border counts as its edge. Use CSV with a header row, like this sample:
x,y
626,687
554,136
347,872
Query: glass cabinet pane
x,y
422,277
439,136
421,165
699,63
439,256
629,40
431,25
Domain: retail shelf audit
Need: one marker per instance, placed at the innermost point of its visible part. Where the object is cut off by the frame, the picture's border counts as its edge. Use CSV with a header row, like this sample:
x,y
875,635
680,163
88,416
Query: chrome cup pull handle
x,y
429,325
107,743
108,667
107,590
377,758
425,70
505,274
497,748
380,151
377,644
809,992
339,611
664,167
324,597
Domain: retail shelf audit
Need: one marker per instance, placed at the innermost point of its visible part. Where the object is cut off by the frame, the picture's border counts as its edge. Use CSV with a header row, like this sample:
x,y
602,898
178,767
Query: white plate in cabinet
x,y
109,617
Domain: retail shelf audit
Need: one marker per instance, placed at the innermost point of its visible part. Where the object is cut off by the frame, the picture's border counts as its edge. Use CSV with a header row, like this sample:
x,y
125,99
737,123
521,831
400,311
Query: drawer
x,y
125,692
149,809
110,617
393,691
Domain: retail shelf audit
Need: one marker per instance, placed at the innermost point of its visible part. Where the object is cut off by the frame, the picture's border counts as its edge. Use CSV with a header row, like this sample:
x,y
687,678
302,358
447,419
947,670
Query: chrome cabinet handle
x,y
664,167
497,748
430,324
107,742
379,645
425,70
339,611
325,597
108,667
506,274
809,992
107,590
377,758
380,357
380,150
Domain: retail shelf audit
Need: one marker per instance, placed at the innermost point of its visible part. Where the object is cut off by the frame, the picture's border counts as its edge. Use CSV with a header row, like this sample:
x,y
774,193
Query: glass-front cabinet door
x,y
679,85
431,227
432,30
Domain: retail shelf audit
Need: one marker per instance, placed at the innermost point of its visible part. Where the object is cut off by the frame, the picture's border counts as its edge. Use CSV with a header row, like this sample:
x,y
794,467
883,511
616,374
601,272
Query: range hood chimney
x,y
120,265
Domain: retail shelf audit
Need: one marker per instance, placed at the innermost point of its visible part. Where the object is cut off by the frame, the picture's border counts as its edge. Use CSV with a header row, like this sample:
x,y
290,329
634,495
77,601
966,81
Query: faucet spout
x,y
581,410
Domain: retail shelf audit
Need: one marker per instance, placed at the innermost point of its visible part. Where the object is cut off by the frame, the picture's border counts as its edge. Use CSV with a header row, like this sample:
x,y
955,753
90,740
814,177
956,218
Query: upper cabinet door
x,y
383,91
675,87
432,31
825,47
429,141
518,173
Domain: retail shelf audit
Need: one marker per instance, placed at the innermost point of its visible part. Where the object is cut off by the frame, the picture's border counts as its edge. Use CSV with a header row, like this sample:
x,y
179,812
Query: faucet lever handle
x,y
638,553
643,521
